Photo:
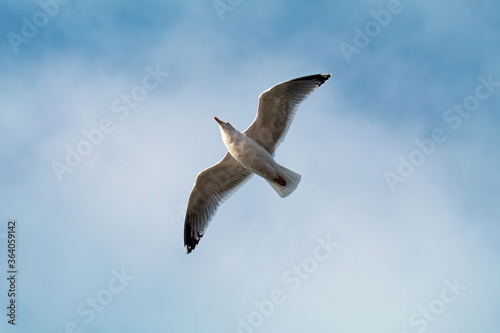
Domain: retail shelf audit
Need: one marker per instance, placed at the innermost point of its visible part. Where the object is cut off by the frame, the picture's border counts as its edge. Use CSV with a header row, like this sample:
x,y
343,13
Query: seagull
x,y
249,152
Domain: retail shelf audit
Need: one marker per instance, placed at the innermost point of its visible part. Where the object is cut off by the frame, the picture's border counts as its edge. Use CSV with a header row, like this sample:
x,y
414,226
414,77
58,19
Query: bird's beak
x,y
217,120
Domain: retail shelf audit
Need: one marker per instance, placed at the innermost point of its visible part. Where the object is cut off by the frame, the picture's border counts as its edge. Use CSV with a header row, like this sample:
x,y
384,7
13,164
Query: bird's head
x,y
224,125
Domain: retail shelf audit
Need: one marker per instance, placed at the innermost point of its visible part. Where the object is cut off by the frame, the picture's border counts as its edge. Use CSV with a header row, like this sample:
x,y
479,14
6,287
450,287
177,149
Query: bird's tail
x,y
286,183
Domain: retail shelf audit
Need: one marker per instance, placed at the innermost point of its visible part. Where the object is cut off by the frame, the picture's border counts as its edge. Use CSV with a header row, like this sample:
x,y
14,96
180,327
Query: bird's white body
x,y
250,154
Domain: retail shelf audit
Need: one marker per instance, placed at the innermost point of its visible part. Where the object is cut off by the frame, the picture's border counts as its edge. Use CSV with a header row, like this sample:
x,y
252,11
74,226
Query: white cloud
x,y
121,206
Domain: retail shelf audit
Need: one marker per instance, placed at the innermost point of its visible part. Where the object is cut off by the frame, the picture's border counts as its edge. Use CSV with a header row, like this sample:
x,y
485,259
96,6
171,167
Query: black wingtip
x,y
189,247
320,78
190,241
323,77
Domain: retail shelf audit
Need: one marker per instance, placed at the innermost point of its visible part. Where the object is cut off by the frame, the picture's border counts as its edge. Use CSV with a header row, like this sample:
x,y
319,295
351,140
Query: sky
x,y
107,118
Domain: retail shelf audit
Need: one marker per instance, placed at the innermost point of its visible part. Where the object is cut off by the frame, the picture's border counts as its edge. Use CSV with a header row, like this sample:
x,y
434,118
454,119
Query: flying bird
x,y
249,152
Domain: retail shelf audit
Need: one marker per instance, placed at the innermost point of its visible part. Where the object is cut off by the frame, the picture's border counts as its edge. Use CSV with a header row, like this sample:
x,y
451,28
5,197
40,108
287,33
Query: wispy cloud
x,y
121,206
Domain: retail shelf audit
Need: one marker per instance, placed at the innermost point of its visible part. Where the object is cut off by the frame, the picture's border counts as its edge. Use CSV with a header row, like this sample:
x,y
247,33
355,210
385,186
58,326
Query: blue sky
x,y
393,228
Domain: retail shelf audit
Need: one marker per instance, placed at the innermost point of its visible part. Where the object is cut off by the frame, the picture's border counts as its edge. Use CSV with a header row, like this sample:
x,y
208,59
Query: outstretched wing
x,y
212,187
277,107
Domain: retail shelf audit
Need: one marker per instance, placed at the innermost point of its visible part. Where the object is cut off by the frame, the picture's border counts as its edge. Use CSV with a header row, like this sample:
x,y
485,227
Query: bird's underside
x,y
277,107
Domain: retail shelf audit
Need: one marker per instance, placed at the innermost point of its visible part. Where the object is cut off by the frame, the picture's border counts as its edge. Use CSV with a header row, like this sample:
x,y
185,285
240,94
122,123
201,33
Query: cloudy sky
x,y
107,117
